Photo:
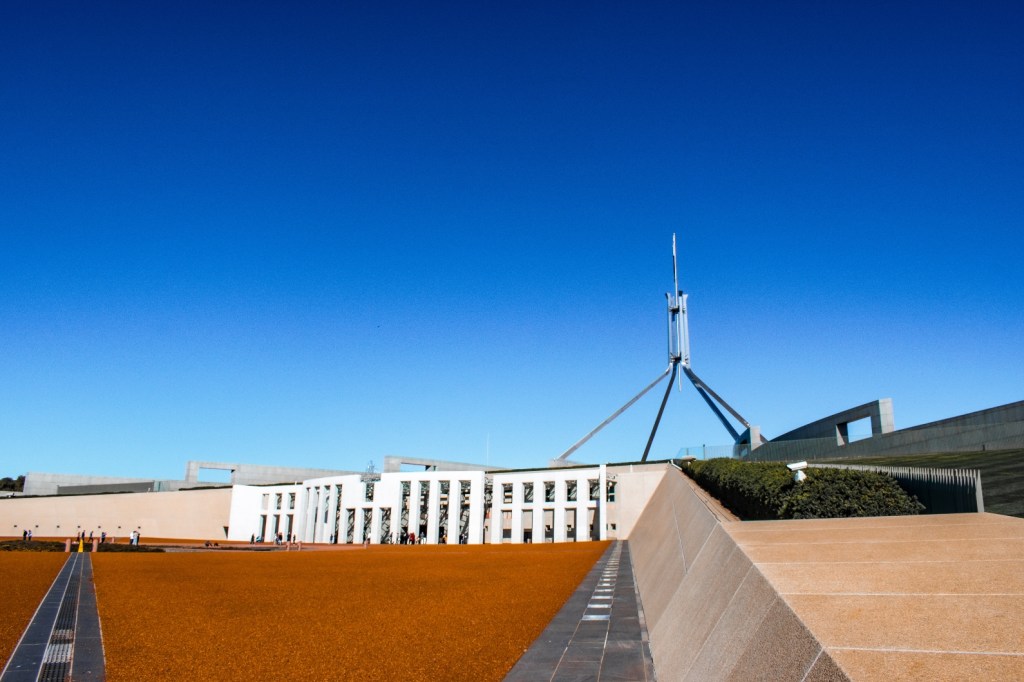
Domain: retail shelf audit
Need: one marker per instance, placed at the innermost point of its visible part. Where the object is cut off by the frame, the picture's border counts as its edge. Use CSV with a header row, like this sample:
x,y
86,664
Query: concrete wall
x,y
634,486
710,613
835,426
37,483
194,514
997,428
256,474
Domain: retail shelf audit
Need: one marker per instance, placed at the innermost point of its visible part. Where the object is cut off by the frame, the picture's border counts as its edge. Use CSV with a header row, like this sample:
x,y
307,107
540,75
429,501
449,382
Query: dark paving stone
x,y
88,664
27,660
576,646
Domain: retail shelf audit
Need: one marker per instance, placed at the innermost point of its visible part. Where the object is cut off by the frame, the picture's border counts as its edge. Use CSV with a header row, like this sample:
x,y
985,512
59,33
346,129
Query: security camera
x,y
798,469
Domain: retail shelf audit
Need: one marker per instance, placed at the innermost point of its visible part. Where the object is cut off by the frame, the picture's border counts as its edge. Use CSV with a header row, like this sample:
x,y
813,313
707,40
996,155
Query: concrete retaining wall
x,y
185,514
710,613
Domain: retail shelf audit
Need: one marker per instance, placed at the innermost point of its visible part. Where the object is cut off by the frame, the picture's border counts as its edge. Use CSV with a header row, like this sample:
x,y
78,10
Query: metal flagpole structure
x,y
615,414
678,355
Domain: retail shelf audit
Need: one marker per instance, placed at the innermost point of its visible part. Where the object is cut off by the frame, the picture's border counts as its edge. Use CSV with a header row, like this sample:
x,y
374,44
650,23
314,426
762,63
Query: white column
x,y
332,514
357,527
433,511
602,502
497,518
375,525
414,508
454,510
559,515
517,511
538,522
320,534
308,513
476,511
582,495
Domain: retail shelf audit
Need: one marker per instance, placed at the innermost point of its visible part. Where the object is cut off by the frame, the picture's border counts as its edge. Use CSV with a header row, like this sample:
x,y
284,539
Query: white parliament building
x,y
440,503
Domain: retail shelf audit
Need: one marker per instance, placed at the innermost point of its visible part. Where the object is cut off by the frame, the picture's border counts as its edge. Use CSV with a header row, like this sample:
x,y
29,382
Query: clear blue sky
x,y
321,234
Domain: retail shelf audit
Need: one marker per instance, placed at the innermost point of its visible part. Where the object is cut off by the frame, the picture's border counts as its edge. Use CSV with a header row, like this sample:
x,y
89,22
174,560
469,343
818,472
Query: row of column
x,y
321,523
320,511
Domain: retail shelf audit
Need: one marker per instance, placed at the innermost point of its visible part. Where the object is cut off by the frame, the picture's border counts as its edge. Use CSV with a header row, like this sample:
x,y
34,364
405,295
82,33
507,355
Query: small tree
x,y
8,484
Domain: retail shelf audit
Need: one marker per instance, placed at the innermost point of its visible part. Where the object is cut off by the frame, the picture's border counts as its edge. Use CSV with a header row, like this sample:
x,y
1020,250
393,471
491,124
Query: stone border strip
x,y
88,664
598,634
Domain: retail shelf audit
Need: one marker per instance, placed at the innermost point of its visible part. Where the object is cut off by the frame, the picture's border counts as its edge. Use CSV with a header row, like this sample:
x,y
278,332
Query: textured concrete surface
x,y
927,597
711,614
910,598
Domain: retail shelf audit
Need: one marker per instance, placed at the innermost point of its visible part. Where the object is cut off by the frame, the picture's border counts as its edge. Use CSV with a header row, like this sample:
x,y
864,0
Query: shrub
x,y
766,490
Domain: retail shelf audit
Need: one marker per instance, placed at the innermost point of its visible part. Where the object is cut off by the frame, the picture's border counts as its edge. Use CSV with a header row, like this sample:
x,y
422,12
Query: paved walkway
x,y
62,642
599,634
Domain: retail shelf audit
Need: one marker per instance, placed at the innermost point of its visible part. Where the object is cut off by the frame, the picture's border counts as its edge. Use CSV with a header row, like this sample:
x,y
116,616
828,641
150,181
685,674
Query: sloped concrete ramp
x,y
926,597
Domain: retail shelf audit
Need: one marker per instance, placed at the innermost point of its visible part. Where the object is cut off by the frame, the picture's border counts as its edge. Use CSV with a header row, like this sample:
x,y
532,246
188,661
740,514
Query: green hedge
x,y
766,490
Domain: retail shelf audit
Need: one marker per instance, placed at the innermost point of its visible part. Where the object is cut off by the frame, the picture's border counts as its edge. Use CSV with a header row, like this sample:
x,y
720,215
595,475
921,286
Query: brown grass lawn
x,y
24,578
385,613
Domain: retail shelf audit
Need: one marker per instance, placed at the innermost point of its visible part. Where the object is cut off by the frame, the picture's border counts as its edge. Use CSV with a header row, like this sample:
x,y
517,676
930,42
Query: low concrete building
x,y
471,507
570,504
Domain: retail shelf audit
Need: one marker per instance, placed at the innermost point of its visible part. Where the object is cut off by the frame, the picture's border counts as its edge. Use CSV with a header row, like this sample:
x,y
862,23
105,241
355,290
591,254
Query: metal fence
x,y
941,491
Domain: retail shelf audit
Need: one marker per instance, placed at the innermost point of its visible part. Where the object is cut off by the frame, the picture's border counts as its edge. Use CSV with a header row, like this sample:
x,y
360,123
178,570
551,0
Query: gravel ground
x,y
25,577
385,613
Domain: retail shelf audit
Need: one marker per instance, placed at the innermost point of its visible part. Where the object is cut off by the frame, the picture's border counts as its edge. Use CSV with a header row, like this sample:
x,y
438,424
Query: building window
x,y
506,493
527,492
369,491
570,491
291,500
595,489
277,500
266,500
611,491
549,491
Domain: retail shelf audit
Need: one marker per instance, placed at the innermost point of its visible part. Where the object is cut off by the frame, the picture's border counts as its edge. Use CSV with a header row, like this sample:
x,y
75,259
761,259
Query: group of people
x,y
279,539
103,536
26,535
411,539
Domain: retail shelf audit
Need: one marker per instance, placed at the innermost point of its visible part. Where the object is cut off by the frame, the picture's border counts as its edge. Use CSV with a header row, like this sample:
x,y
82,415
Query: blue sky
x,y
319,235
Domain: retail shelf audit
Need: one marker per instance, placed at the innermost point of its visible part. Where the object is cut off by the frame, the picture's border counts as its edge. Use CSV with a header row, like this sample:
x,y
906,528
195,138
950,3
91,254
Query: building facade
x,y
433,507
572,504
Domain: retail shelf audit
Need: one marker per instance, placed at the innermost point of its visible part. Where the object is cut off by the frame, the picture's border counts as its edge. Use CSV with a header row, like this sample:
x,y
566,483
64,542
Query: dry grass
x,y
25,577
387,613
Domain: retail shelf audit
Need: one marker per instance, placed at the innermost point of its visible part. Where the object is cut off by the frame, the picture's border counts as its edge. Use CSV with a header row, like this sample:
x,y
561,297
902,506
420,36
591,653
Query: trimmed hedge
x,y
58,546
31,546
766,490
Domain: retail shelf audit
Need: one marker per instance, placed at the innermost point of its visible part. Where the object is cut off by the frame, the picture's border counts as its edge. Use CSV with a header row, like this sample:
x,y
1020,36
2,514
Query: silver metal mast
x,y
678,354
